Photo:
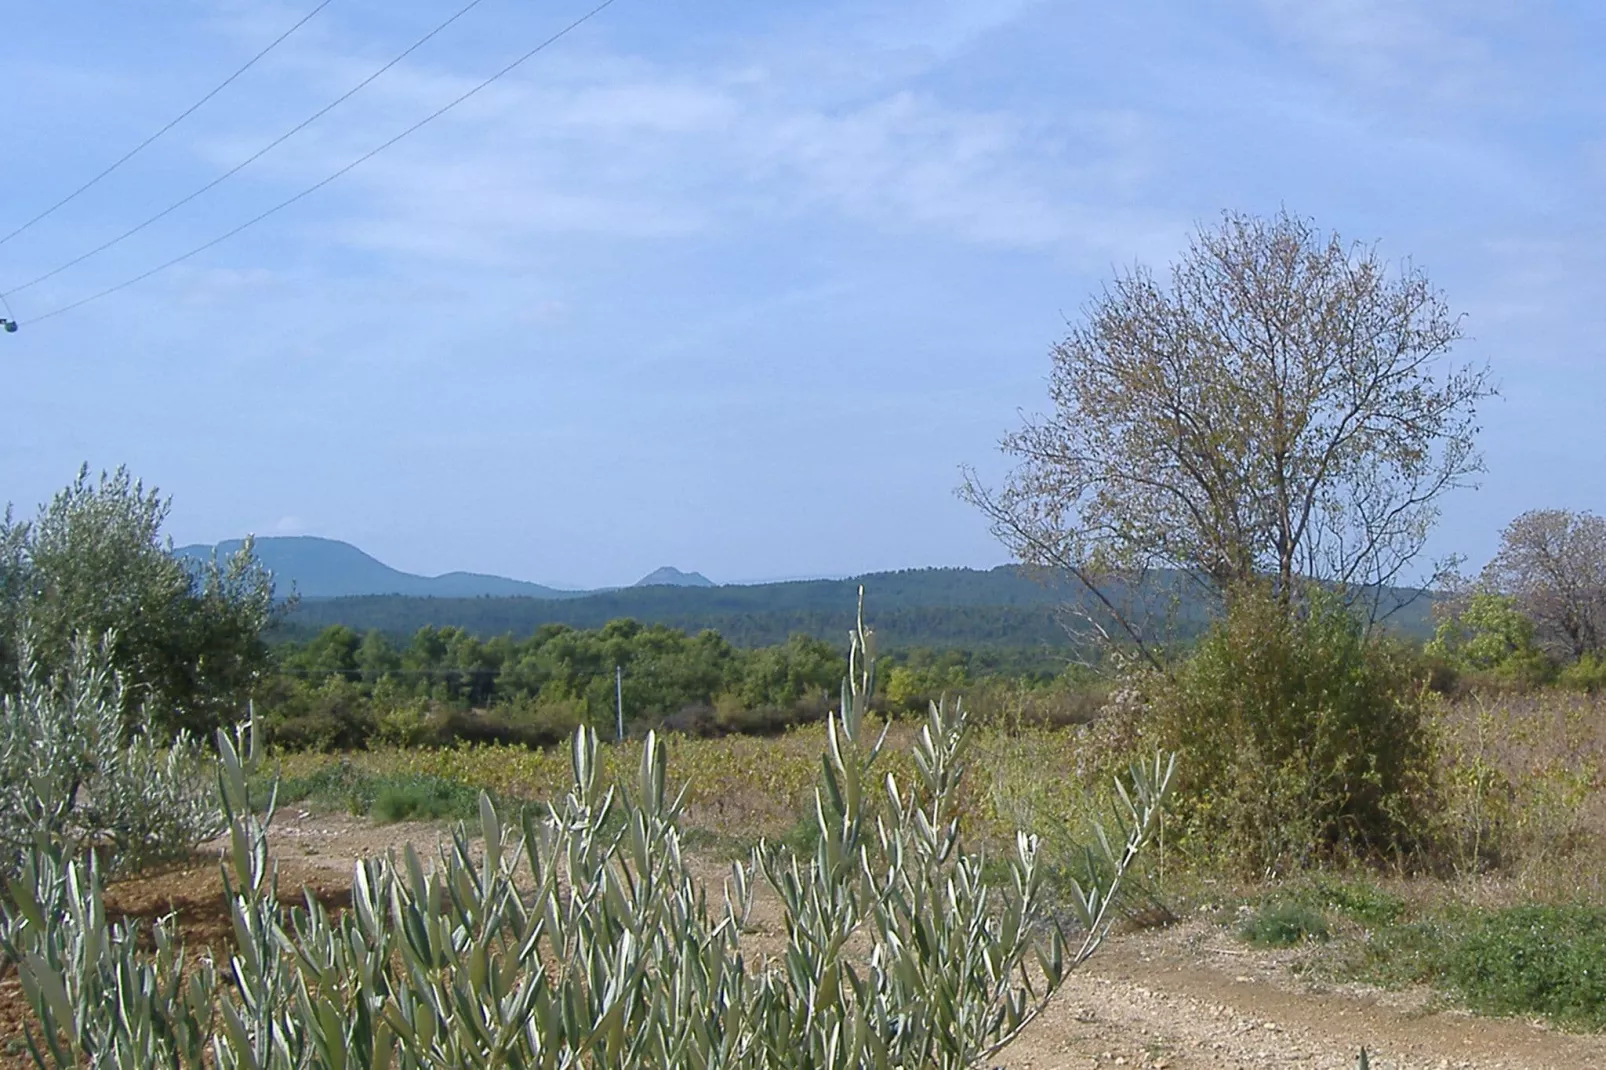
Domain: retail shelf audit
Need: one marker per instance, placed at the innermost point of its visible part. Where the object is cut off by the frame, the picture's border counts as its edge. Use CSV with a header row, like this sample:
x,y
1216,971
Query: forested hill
x,y
933,607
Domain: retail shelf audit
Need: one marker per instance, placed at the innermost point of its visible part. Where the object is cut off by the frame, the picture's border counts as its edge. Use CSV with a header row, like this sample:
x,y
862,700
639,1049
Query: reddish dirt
x,y
1183,998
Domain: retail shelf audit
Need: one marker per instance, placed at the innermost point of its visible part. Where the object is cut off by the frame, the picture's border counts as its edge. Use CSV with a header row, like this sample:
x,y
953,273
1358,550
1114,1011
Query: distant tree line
x,y
344,688
931,625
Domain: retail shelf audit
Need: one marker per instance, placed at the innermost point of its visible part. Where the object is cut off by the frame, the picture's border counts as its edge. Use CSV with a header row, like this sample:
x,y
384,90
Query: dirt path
x,y
1183,999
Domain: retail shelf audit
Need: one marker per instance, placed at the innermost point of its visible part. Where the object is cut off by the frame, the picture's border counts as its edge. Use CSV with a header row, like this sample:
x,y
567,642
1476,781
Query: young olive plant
x,y
583,937
78,772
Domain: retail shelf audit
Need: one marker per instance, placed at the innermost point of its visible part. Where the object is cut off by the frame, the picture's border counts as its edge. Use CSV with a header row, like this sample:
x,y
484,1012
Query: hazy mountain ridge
x,y
670,576
938,607
999,607
315,567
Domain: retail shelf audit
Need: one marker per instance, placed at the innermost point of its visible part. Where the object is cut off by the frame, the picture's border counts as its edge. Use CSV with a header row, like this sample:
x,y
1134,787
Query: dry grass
x,y
1522,813
741,788
1523,806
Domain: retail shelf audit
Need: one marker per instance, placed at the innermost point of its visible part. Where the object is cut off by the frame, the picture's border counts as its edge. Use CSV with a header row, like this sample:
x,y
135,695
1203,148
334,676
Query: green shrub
x,y
1410,953
385,797
1588,673
401,720
333,715
533,723
1284,923
1548,960
422,798
341,786
727,716
1359,901
73,778
1489,637
1300,738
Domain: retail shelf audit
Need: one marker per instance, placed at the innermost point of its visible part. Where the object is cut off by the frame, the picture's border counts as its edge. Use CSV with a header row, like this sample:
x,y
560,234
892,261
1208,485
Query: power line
x,y
364,158
185,114
257,155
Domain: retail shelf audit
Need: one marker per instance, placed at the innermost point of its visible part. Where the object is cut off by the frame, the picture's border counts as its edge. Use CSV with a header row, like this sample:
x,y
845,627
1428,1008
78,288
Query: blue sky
x,y
739,287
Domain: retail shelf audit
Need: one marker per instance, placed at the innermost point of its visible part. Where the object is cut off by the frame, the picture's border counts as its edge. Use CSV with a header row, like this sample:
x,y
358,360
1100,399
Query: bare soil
x,y
1189,997
1179,998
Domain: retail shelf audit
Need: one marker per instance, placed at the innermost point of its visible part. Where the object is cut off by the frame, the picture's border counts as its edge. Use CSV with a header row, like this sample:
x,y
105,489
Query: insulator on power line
x,y
9,325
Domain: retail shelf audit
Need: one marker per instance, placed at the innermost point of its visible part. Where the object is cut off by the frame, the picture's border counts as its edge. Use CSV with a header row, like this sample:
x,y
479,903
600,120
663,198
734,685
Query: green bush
x,y
393,797
73,780
423,798
1284,923
1359,901
1410,953
186,636
331,715
1548,960
1588,673
1301,738
342,785
1490,639
535,722
727,716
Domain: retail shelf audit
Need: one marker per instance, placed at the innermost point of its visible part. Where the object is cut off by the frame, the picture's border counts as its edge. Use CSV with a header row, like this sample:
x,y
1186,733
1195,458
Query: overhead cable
x,y
364,158
255,156
185,114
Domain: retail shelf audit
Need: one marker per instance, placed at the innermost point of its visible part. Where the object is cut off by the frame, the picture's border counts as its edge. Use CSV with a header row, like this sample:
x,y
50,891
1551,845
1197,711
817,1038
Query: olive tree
x,y
1281,408
1552,564
186,640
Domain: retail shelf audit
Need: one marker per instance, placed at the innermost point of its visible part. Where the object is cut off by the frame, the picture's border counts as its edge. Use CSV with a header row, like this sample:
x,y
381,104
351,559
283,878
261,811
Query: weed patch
x,y
1548,960
1399,955
384,797
1284,923
1360,901
423,799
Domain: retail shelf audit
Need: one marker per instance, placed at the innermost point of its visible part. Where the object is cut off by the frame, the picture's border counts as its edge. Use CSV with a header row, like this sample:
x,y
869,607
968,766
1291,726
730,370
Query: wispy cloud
x,y
630,149
1437,48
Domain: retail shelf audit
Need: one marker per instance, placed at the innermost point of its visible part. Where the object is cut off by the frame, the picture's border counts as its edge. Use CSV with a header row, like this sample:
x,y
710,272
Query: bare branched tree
x,y
1552,562
1282,409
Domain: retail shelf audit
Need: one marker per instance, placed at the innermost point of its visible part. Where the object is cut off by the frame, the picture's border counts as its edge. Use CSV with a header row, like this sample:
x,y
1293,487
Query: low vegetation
x,y
583,938
1535,959
1283,923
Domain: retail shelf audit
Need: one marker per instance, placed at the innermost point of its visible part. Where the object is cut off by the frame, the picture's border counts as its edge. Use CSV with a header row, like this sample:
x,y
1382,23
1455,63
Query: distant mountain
x,y
930,607
668,576
936,607
328,568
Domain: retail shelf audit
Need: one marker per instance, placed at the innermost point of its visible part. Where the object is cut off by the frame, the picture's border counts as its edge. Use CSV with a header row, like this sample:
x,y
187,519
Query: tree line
x,y
345,688
935,624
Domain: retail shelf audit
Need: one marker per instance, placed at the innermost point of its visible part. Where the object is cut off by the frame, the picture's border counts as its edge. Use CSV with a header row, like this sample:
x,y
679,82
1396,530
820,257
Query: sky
x,y
739,287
